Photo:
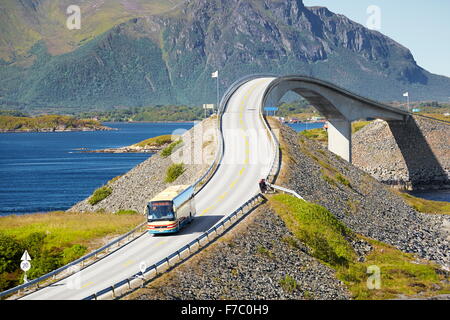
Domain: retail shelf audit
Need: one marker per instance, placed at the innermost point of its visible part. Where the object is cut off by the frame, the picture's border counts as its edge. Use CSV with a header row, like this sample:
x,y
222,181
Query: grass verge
x,y
330,242
99,195
54,239
425,206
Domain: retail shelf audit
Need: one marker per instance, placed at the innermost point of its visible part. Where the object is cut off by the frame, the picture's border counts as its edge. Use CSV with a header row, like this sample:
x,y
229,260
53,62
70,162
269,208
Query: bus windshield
x,y
160,211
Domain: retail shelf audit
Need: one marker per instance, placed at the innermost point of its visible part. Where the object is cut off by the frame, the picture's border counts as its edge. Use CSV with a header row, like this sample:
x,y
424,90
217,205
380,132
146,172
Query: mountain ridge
x,y
168,58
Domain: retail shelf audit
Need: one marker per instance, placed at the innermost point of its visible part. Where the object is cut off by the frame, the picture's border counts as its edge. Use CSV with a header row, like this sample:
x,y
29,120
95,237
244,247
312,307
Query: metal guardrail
x,y
140,278
285,190
78,261
200,182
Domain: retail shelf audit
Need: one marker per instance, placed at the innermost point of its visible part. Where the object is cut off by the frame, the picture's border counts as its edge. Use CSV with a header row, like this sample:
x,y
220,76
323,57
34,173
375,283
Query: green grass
x,y
288,283
425,206
156,141
170,148
319,134
99,195
343,180
174,171
401,273
329,241
358,125
317,228
265,252
126,212
48,122
54,239
437,116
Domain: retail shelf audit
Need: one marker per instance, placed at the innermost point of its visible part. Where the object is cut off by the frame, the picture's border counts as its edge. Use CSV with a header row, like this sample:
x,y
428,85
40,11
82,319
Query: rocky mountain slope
x,y
169,58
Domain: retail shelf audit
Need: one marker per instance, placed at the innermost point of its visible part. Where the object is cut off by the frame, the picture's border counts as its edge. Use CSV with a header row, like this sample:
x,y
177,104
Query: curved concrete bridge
x,y
339,106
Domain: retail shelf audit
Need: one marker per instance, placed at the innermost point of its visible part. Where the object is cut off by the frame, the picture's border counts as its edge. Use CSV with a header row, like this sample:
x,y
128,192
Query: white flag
x,y
406,94
215,74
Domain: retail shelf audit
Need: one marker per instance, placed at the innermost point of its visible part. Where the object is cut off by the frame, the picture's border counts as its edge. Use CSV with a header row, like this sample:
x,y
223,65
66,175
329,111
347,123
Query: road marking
x,y
126,264
160,243
247,149
90,283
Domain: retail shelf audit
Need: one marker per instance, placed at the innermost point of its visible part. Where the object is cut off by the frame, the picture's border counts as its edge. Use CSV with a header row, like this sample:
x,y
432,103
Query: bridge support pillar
x,y
340,138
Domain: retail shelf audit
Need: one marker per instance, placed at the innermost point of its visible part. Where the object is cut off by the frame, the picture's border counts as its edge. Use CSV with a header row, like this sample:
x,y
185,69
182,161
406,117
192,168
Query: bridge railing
x,y
203,180
285,190
139,279
84,261
198,185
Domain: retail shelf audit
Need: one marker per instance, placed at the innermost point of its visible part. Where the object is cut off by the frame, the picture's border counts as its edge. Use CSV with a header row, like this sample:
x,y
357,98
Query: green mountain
x,y
166,55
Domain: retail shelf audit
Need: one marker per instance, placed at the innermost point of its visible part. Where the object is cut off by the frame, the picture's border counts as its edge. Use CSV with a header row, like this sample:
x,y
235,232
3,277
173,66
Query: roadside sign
x,y
25,265
25,256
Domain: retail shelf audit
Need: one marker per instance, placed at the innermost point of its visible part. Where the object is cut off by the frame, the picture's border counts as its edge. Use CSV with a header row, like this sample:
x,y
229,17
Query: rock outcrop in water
x,y
412,156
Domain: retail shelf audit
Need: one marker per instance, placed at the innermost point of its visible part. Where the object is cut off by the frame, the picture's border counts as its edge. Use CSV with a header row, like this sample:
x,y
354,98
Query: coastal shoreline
x,y
58,130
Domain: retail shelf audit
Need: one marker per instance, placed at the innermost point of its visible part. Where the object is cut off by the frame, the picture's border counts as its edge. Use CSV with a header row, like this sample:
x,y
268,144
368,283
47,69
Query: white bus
x,y
170,210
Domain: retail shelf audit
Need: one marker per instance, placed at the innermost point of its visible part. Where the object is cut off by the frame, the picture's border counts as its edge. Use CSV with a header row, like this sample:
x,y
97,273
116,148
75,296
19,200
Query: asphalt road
x,y
247,158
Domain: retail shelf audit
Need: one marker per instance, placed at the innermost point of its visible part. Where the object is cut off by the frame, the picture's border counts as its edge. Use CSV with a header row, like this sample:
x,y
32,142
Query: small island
x,y
48,123
151,145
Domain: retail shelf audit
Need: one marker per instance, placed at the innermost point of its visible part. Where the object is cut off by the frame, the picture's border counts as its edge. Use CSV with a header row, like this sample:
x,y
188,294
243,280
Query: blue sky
x,y
421,26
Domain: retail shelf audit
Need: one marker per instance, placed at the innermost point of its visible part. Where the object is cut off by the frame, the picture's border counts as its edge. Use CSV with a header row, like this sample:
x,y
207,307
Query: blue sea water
x,y
42,172
439,195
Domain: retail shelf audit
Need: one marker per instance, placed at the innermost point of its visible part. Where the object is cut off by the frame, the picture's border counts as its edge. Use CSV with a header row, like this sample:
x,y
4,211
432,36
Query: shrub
x,y
72,253
288,283
99,195
174,171
10,253
343,180
170,148
156,141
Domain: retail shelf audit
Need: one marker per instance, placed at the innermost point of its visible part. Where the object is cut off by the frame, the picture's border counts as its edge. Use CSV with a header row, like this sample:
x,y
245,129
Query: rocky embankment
x,y
415,156
254,261
361,202
256,258
134,189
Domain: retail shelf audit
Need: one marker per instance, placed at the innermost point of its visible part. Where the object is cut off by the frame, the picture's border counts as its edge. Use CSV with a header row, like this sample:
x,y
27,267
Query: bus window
x,y
160,211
